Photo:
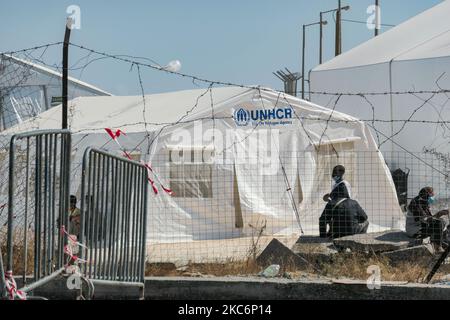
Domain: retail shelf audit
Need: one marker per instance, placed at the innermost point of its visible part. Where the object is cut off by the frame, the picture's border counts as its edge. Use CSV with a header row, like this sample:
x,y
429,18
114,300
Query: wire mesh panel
x,y
113,217
226,213
30,84
38,198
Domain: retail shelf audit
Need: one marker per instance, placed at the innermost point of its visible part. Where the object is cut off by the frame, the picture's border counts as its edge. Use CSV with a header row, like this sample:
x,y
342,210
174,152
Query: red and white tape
x,y
68,247
116,134
11,287
150,171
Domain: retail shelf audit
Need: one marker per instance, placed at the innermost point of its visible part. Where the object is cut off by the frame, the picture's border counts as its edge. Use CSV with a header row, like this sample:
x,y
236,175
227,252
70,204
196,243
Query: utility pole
x,y
303,52
321,39
338,43
346,8
377,17
65,76
303,62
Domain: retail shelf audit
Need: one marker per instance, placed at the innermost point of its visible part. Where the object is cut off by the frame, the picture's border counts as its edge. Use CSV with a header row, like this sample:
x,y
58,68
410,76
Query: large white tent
x,y
411,57
233,157
399,75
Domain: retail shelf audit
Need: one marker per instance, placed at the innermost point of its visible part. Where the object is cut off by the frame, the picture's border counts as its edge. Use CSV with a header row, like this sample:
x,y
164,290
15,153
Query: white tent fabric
x,y
414,56
411,57
422,37
237,181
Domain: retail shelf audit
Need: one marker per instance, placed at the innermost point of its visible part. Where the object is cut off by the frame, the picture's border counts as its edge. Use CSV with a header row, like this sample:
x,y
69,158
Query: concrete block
x,y
316,252
375,242
314,240
278,253
423,254
253,288
248,288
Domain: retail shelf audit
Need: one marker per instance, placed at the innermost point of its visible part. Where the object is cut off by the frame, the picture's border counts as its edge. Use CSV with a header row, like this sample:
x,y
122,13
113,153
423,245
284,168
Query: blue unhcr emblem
x,y
241,117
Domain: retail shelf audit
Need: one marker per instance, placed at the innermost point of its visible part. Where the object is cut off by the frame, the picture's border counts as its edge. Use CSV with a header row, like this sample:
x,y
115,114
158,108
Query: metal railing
x,y
113,218
38,202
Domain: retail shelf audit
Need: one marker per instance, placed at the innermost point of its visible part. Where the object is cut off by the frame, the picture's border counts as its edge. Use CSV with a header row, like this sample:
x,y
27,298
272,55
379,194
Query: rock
x,y
278,253
270,272
423,254
183,268
445,278
193,274
375,242
315,250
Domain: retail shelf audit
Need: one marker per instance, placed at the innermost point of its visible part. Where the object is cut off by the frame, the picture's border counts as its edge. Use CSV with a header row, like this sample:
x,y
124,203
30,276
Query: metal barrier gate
x,y
38,202
113,219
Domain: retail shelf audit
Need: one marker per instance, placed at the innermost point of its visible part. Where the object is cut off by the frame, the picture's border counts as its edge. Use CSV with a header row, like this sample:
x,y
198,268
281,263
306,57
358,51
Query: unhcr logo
x,y
242,117
279,116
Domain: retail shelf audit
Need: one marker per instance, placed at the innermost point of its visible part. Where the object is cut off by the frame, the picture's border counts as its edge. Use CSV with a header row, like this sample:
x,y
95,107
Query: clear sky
x,y
241,41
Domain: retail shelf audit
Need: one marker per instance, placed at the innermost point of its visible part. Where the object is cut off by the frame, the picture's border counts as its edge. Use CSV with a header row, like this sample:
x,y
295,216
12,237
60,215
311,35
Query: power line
x,y
381,93
365,22
130,60
194,78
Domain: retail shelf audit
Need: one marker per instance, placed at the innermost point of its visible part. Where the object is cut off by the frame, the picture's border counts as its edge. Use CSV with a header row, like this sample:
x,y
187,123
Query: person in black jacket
x,y
342,216
421,223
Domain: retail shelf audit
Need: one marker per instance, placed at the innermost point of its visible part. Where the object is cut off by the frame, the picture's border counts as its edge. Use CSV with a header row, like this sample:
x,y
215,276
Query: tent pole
x,y
391,106
65,63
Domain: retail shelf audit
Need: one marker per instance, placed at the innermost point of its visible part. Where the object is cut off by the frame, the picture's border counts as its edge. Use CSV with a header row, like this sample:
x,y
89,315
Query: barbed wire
x,y
95,55
156,66
325,116
340,94
194,78
45,46
410,117
329,118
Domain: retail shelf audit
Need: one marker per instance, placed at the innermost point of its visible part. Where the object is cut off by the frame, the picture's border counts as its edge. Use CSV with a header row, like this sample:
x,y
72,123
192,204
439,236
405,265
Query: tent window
x,y
331,155
191,173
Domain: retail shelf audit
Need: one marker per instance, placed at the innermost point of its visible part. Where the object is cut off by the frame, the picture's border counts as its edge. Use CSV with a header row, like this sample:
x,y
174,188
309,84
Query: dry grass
x,y
19,251
229,268
348,266
257,233
354,266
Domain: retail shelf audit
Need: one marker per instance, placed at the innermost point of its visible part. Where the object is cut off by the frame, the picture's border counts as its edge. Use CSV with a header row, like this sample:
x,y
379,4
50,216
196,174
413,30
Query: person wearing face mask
x,y
421,223
342,215
341,188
